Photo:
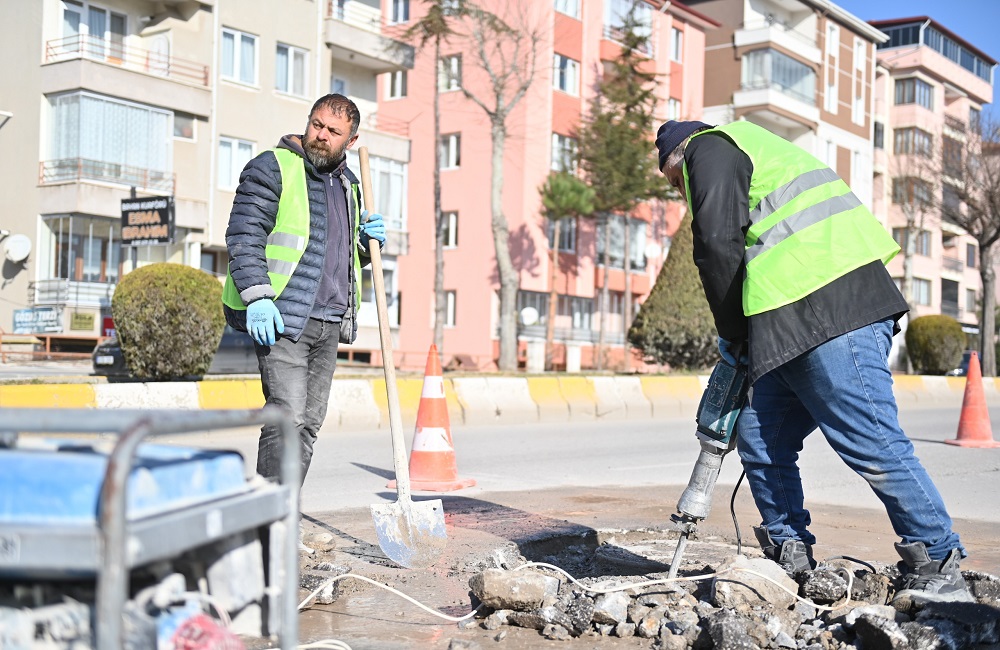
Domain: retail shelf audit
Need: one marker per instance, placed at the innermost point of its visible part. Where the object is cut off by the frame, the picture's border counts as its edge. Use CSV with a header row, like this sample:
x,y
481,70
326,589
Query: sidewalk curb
x,y
360,403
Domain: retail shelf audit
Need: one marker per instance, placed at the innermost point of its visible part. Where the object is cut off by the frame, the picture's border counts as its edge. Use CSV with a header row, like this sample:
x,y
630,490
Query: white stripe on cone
x,y
433,387
431,439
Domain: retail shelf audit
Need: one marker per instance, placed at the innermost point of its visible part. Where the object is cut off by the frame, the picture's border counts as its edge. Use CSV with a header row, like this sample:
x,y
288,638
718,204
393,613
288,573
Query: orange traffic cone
x,y
432,459
974,428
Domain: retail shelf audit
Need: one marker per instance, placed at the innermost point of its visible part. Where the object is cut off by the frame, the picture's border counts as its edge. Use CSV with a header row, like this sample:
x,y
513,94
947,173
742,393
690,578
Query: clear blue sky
x,y
976,21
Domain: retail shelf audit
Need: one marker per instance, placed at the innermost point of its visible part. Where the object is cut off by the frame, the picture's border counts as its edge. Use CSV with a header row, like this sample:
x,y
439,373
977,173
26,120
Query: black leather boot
x,y
794,556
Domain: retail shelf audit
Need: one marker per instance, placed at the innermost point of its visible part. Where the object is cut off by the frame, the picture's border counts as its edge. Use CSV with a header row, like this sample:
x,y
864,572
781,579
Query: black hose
x,y
732,510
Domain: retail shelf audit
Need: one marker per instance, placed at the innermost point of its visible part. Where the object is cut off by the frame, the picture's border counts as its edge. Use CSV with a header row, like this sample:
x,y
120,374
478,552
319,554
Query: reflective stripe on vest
x,y
287,241
806,226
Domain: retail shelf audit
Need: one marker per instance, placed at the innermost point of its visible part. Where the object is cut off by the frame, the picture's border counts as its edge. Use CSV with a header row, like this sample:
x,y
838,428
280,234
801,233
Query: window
x,y
580,310
450,73
615,13
909,191
970,301
449,151
676,45
565,74
568,7
879,135
184,126
832,39
771,69
915,91
450,229
396,84
912,141
82,249
859,54
104,138
389,178
563,153
637,243
95,32
830,98
951,157
233,157
921,241
239,56
970,256
974,119
399,11
921,291
673,109
567,233
291,70
449,317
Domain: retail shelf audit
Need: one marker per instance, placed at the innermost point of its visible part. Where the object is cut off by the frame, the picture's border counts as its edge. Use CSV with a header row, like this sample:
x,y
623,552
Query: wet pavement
x,y
586,531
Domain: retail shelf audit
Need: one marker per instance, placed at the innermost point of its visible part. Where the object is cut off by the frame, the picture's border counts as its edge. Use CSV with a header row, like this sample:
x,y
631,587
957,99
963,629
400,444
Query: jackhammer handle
x,y
696,500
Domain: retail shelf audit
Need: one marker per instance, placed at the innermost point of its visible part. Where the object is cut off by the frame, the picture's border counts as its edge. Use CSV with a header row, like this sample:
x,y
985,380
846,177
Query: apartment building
x,y
802,69
129,121
577,38
930,88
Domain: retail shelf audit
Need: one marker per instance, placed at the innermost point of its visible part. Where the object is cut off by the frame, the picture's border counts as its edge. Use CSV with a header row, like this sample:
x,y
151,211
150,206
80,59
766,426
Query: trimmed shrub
x,y
169,320
675,325
934,344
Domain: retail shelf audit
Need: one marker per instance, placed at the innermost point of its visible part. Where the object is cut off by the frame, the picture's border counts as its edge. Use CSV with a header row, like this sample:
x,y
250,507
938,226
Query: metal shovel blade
x,y
411,534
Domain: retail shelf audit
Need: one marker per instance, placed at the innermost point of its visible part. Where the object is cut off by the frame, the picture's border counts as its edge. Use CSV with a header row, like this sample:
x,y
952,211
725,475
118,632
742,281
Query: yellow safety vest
x,y
290,236
807,228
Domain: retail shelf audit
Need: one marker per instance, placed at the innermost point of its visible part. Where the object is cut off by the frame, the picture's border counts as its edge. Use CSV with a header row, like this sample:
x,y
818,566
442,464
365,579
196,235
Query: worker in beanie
x,y
793,266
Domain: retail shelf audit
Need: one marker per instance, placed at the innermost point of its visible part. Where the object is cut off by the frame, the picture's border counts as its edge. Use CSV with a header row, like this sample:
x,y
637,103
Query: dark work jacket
x,y
719,176
322,285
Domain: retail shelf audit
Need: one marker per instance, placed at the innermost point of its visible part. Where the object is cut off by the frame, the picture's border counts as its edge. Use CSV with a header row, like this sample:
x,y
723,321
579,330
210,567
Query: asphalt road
x,y
350,469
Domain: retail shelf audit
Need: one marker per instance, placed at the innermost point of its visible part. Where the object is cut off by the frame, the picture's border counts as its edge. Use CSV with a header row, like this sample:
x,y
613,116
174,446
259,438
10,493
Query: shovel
x,y
411,534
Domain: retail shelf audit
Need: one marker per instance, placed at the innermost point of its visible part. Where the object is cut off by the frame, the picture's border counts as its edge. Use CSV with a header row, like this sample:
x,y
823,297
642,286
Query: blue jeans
x,y
297,376
844,387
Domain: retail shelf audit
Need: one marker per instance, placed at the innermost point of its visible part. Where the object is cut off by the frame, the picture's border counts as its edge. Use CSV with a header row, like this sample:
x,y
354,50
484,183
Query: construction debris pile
x,y
742,607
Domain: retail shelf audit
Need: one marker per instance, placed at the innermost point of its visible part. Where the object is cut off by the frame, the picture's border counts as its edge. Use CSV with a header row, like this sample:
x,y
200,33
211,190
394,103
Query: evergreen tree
x,y
675,325
616,149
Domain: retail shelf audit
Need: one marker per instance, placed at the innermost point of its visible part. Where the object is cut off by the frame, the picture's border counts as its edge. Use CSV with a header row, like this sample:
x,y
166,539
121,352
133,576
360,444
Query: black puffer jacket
x,y
251,221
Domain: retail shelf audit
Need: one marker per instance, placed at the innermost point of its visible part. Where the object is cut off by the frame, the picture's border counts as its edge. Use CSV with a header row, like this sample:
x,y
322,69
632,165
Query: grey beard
x,y
322,162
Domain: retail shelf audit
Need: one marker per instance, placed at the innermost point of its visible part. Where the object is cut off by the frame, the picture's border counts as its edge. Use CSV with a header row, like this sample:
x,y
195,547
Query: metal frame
x,y
243,511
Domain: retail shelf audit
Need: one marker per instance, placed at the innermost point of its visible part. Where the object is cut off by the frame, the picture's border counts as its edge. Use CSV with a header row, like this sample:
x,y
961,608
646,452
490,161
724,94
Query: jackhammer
x,y
718,411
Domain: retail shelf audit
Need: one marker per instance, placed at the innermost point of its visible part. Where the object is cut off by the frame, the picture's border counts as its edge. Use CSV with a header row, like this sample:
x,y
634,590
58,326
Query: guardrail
x,y
138,59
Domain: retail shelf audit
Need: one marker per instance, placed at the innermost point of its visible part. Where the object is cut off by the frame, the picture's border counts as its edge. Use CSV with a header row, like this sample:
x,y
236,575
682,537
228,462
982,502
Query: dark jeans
x,y
844,388
297,376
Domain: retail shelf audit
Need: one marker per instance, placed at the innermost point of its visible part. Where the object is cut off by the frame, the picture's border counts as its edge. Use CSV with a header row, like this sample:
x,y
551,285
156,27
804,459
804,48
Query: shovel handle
x,y
399,461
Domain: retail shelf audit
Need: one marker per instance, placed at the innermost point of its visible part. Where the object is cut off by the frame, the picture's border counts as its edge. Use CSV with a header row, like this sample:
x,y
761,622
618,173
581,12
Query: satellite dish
x,y
529,316
16,248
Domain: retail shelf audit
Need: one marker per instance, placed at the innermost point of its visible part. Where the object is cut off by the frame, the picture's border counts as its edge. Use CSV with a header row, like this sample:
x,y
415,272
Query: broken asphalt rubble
x,y
740,609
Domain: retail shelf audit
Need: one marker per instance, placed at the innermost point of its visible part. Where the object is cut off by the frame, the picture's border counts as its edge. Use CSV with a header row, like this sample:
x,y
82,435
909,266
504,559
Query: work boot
x,y
926,580
794,556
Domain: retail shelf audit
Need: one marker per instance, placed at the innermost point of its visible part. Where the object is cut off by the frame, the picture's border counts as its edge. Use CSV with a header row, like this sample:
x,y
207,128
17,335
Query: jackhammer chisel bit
x,y
716,418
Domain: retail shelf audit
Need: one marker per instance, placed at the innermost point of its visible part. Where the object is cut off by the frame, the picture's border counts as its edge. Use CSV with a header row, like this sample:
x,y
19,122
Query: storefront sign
x,y
38,320
148,221
107,326
81,322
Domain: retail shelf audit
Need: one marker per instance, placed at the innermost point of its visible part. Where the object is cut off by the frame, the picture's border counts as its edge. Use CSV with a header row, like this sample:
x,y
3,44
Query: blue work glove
x,y
372,227
262,318
725,349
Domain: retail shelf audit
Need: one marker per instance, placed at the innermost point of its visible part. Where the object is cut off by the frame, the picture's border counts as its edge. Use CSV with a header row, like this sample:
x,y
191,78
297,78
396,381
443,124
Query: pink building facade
x,y
930,88
576,37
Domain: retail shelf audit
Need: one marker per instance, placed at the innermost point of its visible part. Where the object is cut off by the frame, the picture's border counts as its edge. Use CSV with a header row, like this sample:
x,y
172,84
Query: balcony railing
x,y
783,26
952,264
75,169
378,122
131,58
617,34
950,309
954,123
356,14
62,292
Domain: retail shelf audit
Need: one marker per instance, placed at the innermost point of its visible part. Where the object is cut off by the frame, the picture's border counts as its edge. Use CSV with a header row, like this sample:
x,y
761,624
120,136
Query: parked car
x,y
234,356
963,367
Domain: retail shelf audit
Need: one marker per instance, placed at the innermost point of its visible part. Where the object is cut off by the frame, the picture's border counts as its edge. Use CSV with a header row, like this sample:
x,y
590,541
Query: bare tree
x,y
971,200
506,49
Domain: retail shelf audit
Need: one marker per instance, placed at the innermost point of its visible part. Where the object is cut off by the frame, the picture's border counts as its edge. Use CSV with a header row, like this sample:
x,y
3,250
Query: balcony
x,y
77,169
775,32
89,63
952,264
61,292
353,32
954,123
